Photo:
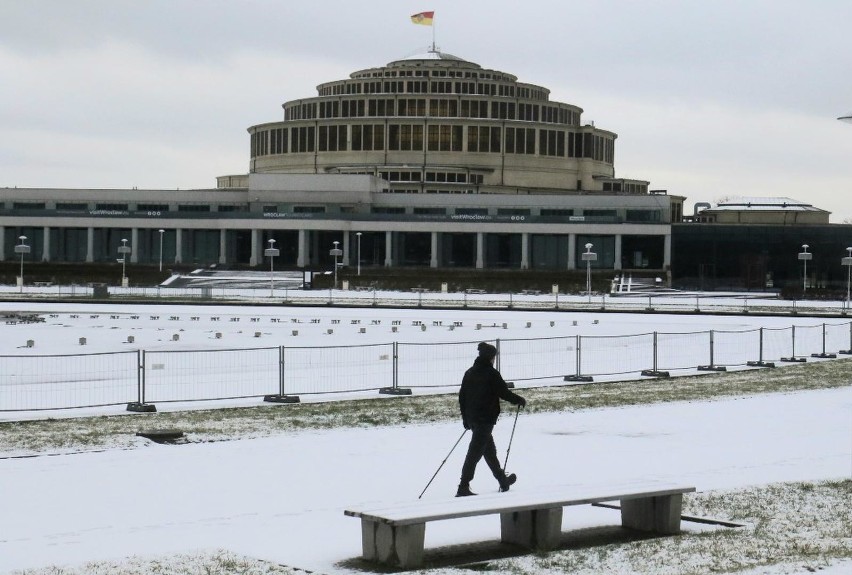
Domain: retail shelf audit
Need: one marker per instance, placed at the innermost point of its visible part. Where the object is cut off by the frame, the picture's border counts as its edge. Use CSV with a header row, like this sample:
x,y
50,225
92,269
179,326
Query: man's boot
x,y
507,481
464,490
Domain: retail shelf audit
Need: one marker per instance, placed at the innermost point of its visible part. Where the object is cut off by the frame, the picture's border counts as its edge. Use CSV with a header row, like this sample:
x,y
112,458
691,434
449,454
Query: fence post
x,y
140,406
848,351
578,357
793,358
395,389
712,366
760,362
824,355
281,397
655,372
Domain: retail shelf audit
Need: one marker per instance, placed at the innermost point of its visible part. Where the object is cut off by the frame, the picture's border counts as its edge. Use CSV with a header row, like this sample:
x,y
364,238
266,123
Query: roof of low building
x,y
755,203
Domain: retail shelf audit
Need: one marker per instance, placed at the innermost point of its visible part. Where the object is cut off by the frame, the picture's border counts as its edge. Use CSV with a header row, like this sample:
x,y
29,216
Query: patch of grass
x,y
102,432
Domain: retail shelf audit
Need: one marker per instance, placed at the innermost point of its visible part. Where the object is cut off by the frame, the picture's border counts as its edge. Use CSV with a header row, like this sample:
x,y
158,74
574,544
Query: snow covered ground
x,y
282,498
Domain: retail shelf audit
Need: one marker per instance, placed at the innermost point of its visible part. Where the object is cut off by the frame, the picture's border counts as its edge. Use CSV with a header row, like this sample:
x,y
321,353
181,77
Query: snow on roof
x,y
433,54
755,203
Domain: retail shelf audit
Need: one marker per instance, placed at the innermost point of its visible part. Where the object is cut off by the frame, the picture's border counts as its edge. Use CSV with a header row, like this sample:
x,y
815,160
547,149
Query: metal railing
x,y
53,382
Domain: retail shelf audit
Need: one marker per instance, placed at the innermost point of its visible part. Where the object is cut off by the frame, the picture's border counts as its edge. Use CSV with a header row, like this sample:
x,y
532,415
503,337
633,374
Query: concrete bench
x,y
395,535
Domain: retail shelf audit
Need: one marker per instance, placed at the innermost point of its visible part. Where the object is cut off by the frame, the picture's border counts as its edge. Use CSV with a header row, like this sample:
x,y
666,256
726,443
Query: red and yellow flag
x,y
424,18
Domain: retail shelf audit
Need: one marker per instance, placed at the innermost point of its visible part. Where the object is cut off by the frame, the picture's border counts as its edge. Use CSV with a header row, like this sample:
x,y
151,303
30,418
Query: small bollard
x,y
257,334
218,335
295,332
130,339
30,343
362,330
329,331
394,329
82,341
423,327
175,336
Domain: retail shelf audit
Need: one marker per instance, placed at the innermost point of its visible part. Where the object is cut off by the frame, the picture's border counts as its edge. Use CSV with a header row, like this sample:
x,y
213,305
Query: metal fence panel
x,y
210,374
309,370
38,382
777,343
615,355
734,348
436,364
532,359
808,340
683,350
838,337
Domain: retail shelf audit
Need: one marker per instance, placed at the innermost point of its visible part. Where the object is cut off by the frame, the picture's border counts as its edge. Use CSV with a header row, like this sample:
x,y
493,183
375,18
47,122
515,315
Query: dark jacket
x,y
481,390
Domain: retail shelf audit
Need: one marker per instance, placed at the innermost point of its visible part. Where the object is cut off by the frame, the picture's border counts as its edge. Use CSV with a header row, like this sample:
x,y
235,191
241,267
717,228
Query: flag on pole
x,y
424,18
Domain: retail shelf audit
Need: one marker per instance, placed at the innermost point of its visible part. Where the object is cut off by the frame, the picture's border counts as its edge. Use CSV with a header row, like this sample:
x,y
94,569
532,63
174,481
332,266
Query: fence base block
x,y
510,384
395,391
278,398
711,368
760,363
845,352
794,359
824,355
137,407
586,378
655,373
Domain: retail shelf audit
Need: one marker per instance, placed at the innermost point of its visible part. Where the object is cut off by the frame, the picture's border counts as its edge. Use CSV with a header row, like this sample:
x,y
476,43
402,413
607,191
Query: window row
x,y
432,86
433,107
434,138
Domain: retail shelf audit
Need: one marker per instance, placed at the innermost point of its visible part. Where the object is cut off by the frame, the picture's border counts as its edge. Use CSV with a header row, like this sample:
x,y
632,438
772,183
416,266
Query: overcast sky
x,y
710,99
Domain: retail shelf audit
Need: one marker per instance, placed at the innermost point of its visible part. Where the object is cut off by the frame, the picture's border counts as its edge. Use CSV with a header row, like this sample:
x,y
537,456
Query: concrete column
x,y
178,246
667,251
223,243
134,245
255,248
480,250
90,245
345,260
525,251
617,251
433,262
388,249
572,249
2,243
45,252
302,257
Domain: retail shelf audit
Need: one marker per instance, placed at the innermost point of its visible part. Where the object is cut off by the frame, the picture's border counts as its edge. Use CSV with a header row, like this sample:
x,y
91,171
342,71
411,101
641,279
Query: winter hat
x,y
487,351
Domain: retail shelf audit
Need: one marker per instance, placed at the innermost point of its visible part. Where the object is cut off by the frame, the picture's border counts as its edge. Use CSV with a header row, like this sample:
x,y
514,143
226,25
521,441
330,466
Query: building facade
x,y
429,161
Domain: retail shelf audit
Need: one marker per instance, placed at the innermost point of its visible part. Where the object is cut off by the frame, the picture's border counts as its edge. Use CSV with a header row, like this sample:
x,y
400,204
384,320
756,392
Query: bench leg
x,y
536,529
655,514
392,545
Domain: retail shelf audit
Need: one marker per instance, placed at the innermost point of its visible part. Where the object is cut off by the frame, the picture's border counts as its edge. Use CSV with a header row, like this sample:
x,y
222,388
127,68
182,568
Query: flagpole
x,y
433,34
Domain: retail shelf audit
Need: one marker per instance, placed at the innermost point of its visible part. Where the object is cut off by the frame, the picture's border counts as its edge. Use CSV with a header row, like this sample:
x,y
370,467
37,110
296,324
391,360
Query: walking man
x,y
482,389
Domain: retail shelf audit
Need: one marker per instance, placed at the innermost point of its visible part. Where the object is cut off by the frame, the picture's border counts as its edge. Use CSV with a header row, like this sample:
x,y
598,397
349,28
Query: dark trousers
x,y
481,445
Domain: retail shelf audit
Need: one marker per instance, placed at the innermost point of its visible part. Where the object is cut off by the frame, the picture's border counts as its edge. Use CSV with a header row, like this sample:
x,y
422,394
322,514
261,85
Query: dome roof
x,y
432,54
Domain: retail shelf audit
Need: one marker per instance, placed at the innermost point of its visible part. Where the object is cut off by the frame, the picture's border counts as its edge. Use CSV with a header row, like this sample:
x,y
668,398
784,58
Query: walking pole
x,y
442,464
511,437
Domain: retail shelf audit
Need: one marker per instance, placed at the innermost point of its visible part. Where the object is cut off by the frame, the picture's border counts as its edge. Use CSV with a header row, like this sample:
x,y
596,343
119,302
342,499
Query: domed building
x,y
431,160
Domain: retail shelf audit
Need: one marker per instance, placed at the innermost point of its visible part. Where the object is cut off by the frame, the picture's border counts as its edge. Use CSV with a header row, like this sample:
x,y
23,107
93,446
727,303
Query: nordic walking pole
x,y
511,437
442,464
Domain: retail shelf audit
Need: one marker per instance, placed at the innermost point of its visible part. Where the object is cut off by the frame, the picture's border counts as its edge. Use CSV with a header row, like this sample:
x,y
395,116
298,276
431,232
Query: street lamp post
x,y
161,249
358,235
271,252
847,261
804,256
124,250
22,249
336,252
589,256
